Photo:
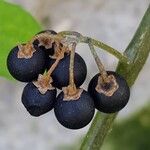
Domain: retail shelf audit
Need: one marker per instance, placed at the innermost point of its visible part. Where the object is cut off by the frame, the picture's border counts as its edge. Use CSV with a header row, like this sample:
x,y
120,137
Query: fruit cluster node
x,y
49,62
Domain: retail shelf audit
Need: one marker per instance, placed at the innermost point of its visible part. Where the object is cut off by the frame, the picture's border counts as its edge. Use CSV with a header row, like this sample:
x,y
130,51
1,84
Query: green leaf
x,y
16,26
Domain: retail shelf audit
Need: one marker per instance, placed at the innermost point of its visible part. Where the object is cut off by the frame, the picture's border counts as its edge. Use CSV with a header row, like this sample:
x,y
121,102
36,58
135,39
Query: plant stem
x,y
84,39
98,61
109,49
137,51
101,123
71,67
52,68
71,33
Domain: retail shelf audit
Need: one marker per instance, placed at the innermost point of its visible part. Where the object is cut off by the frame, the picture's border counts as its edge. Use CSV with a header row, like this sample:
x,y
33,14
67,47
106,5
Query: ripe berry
x,y
110,103
36,103
36,43
74,114
26,69
61,73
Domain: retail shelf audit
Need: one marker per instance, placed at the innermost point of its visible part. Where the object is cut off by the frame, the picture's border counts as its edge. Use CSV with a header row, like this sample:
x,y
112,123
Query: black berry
x,y
36,103
61,73
113,103
74,114
26,69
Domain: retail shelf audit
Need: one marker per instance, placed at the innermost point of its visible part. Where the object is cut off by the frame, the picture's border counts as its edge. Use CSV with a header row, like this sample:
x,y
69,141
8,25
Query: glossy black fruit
x,y
114,103
61,73
36,103
74,114
26,69
49,51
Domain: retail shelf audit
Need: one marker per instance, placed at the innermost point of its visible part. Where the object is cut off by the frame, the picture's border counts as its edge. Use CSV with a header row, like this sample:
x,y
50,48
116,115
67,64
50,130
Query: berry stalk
x,y
122,57
53,66
98,62
71,92
71,67
83,39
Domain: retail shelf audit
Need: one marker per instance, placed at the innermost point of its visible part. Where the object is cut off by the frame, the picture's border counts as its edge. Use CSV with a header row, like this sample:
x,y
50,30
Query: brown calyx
x,y
44,83
107,87
71,93
49,40
26,51
59,48
45,40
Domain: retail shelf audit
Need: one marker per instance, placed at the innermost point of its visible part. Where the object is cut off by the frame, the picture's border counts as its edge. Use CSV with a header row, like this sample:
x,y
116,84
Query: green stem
x,y
84,39
107,48
94,139
137,51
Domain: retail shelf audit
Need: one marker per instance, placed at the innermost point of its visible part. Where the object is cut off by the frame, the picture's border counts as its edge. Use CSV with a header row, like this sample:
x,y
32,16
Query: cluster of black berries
x,y
44,63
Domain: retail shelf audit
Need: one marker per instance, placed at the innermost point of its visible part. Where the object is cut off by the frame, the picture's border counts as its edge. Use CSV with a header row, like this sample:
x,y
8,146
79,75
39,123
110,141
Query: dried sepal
x,y
44,83
26,50
52,41
107,88
71,93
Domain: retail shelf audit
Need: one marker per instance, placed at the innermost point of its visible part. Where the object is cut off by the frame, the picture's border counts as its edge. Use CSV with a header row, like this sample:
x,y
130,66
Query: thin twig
x,y
71,67
99,44
71,33
98,61
109,49
52,68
